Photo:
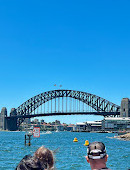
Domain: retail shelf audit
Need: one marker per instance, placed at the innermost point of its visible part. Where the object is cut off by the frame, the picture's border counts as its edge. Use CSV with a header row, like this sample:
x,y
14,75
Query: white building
x,y
89,126
116,123
81,126
93,125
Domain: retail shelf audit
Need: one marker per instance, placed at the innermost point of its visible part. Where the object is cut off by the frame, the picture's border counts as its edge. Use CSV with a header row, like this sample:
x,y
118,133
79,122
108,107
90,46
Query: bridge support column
x,y
11,121
3,115
125,108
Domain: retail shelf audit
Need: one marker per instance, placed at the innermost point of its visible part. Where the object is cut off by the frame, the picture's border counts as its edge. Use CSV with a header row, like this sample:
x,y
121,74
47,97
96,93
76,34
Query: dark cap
x,y
96,150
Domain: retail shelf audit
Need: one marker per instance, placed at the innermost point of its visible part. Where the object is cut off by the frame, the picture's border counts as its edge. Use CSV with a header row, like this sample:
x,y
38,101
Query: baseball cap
x,y
96,150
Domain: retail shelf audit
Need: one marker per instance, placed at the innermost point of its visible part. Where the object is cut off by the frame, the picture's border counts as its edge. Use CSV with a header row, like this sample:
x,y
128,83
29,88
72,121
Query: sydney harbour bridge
x,y
60,102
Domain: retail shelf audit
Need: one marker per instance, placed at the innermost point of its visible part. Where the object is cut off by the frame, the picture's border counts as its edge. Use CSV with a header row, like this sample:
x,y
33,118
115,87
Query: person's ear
x,y
87,159
106,158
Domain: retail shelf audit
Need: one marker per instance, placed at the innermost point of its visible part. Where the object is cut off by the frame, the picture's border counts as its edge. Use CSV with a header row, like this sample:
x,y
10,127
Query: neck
x,y
98,166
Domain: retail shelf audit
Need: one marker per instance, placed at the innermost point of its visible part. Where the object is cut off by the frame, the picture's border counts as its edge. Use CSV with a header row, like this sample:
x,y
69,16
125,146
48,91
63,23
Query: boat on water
x,y
57,131
44,133
48,132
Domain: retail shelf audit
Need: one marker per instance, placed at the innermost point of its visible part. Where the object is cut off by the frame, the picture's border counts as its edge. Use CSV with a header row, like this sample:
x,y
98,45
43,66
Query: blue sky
x,y
83,45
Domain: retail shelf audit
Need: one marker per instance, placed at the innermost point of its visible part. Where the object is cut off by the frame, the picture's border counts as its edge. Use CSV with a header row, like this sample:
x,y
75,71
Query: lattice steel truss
x,y
97,103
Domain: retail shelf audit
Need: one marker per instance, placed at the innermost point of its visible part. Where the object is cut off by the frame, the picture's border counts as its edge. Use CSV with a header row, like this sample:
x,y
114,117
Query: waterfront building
x,y
49,127
59,127
116,123
81,126
89,126
93,125
71,127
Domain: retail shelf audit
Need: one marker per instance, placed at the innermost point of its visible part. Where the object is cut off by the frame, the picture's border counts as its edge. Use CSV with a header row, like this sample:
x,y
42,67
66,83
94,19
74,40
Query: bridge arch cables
x,y
100,105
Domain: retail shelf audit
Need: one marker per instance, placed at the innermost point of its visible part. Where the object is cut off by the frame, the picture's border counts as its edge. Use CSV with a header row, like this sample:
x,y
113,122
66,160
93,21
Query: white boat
x,y
48,132
57,131
44,133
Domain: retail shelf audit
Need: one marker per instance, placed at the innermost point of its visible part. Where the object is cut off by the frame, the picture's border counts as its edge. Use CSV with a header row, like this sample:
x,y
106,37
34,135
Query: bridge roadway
x,y
68,113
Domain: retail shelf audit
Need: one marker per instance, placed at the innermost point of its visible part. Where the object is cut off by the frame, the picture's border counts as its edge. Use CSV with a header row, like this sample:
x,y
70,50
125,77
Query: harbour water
x,y
69,155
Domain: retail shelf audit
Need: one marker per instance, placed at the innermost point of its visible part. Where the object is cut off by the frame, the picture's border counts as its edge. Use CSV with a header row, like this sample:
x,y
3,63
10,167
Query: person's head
x,y
28,163
96,155
42,160
45,157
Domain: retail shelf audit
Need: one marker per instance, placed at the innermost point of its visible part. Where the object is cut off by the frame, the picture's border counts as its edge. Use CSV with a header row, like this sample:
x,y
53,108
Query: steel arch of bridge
x,y
99,104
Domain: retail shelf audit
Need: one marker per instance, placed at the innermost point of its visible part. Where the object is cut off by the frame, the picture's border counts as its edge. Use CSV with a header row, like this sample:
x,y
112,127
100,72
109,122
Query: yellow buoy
x,y
75,140
86,143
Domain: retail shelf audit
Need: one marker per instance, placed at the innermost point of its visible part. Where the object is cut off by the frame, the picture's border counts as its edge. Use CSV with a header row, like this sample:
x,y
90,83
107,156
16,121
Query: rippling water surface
x,y
69,155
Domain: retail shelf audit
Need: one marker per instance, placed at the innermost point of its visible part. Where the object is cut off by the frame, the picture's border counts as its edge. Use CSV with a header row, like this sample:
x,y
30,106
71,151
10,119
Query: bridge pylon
x,y
125,107
11,122
3,115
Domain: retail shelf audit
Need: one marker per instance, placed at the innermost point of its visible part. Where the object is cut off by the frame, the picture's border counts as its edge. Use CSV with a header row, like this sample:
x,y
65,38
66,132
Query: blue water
x,y
70,156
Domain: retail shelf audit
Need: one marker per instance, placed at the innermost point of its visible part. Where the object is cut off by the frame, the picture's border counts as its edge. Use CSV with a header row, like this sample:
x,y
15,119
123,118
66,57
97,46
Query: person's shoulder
x,y
24,162
26,157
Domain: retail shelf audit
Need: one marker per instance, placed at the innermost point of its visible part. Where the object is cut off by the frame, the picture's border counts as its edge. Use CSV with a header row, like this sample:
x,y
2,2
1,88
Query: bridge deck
x,y
69,113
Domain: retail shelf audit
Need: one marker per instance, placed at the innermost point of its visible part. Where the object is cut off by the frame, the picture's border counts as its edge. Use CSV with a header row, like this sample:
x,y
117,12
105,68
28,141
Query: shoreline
x,y
123,137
